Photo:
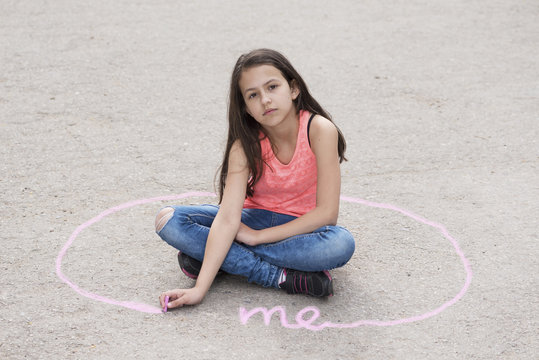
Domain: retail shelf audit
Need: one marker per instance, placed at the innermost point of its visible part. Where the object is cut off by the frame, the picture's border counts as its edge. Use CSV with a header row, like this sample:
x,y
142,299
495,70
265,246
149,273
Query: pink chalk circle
x,y
305,317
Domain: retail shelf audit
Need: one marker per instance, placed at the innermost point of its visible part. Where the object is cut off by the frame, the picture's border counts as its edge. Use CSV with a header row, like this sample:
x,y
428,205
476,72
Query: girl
x,y
279,191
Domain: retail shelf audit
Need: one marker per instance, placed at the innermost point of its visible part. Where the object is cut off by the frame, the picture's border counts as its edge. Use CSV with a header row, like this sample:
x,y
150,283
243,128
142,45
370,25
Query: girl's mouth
x,y
269,111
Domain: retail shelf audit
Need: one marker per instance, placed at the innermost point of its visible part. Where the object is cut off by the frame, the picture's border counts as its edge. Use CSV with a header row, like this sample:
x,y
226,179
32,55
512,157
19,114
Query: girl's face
x,y
268,96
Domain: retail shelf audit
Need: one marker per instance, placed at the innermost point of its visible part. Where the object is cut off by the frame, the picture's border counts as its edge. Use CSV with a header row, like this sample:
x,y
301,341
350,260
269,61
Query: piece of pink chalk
x,y
166,304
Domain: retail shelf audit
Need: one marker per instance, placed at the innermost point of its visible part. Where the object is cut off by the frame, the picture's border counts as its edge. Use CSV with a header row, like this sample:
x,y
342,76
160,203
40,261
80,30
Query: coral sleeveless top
x,y
287,188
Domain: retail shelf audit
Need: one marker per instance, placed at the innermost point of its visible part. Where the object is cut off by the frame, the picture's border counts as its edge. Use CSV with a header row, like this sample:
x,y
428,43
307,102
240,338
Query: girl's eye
x,y
271,87
252,95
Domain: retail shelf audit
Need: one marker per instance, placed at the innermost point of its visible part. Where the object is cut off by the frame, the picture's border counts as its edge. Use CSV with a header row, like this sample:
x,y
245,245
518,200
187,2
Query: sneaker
x,y
191,267
311,283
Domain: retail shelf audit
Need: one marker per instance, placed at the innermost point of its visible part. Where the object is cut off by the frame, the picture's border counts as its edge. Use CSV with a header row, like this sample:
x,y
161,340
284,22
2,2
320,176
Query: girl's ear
x,y
294,89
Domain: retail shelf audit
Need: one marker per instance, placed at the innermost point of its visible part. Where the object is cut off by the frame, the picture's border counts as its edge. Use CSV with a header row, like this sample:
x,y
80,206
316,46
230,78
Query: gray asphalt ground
x,y
105,102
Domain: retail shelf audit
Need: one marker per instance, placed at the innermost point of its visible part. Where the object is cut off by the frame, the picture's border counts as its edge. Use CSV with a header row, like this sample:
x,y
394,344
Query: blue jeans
x,y
325,248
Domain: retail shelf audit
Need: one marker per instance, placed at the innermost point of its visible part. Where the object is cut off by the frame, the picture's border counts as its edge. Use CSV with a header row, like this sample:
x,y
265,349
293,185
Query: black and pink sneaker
x,y
318,283
190,266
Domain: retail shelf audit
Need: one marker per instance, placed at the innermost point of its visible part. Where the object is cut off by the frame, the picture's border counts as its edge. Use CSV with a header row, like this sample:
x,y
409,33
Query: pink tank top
x,y
291,188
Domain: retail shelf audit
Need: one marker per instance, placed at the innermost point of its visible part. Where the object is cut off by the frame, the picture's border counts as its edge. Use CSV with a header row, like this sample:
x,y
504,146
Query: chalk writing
x,y
301,322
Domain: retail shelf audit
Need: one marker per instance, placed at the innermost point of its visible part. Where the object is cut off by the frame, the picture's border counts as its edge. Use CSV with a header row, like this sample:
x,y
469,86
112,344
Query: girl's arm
x,y
324,141
222,232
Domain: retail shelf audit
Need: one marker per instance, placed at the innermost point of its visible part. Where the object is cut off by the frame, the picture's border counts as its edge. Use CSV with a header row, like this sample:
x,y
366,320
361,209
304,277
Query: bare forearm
x,y
220,238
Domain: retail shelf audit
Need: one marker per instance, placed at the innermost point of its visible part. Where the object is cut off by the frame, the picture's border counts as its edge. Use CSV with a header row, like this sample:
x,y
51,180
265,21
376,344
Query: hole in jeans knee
x,y
163,217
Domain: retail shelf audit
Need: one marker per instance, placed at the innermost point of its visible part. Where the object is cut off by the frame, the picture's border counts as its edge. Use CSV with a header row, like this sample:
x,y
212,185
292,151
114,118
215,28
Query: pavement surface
x,y
106,102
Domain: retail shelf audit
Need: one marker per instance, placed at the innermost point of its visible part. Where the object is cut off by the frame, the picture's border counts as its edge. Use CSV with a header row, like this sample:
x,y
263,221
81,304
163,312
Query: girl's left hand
x,y
248,236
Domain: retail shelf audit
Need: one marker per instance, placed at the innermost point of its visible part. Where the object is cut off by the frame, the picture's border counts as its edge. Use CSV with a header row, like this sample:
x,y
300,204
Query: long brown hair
x,y
244,127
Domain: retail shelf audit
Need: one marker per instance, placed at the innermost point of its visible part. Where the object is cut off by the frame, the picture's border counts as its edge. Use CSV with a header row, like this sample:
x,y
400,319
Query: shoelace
x,y
301,289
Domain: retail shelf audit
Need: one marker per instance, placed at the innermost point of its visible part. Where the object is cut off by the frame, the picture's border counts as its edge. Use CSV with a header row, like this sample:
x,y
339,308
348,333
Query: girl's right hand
x,y
181,297
247,236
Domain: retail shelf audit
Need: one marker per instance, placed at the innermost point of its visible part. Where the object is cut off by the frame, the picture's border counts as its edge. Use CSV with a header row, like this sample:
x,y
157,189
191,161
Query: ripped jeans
x,y
325,248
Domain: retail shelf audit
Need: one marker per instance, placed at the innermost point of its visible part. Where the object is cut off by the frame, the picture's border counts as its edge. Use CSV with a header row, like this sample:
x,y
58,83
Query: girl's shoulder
x,y
321,127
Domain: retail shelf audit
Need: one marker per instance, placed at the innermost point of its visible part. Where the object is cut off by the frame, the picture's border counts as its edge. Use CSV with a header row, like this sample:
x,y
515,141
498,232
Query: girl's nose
x,y
265,98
